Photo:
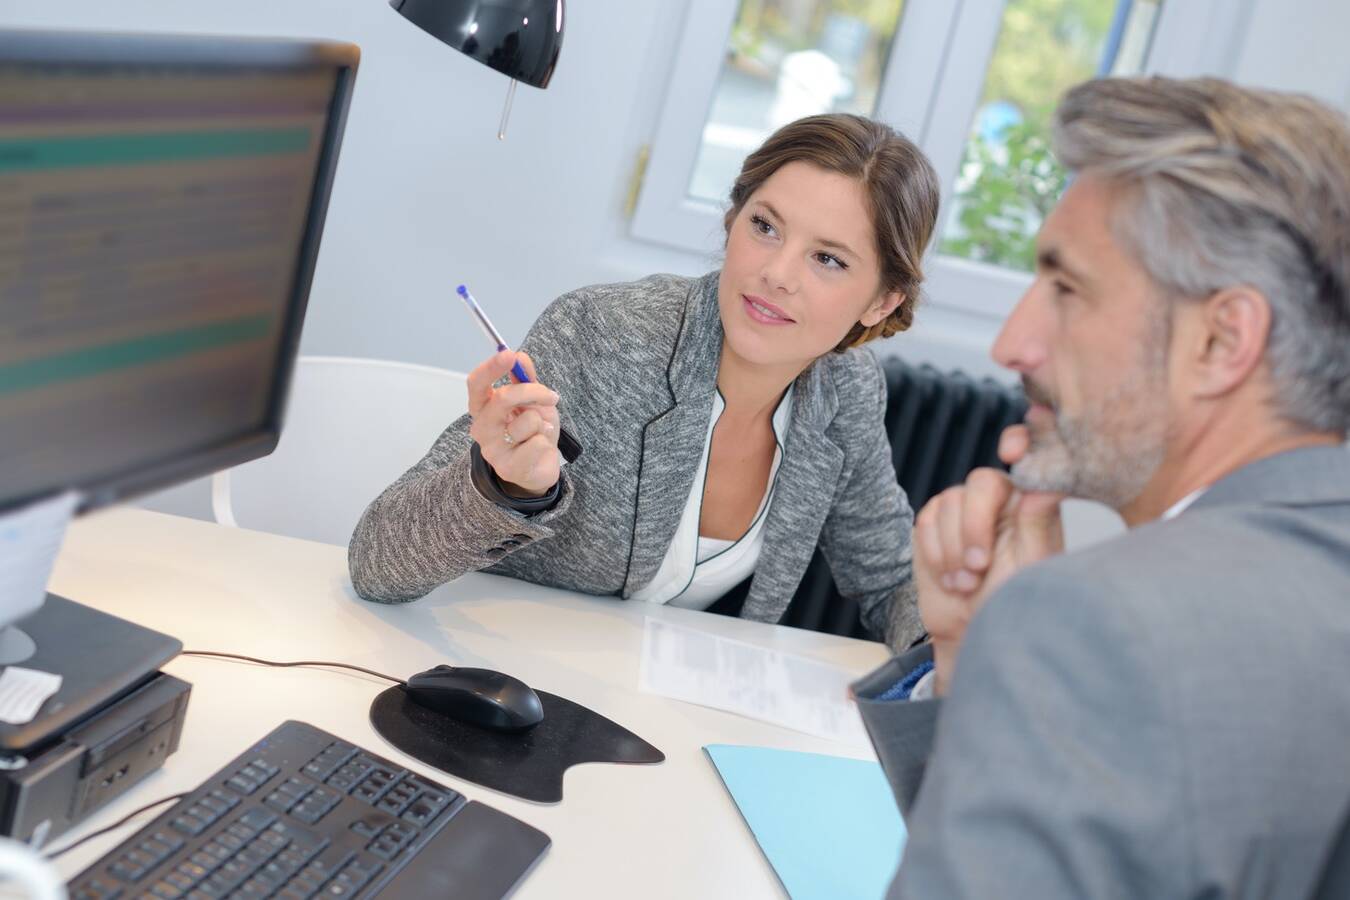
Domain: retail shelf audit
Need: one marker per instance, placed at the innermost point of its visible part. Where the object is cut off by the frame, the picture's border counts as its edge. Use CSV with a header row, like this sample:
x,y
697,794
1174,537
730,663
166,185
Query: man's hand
x,y
516,426
970,539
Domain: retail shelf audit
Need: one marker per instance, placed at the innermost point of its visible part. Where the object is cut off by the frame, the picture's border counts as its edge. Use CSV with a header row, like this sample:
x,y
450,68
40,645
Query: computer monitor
x,y
161,204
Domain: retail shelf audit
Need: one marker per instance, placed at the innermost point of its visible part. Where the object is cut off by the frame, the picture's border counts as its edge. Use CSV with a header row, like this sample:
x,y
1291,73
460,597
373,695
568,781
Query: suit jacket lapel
x,y
801,501
672,440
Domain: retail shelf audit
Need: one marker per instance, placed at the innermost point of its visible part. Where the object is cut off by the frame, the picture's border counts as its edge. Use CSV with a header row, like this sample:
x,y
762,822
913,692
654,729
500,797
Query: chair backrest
x,y
352,426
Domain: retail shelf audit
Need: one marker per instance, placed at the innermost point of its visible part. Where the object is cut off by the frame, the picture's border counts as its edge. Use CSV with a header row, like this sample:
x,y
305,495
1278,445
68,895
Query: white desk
x,y
669,830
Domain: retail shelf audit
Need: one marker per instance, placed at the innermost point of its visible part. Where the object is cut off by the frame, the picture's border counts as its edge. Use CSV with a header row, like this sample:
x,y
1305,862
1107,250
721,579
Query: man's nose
x,y
1022,343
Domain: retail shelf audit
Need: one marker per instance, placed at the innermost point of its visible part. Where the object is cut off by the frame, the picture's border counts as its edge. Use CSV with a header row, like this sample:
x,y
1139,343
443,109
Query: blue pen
x,y
493,334
569,446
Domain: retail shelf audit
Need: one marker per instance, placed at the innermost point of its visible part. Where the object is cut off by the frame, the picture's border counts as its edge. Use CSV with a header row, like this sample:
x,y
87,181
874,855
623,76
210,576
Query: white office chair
x,y
352,426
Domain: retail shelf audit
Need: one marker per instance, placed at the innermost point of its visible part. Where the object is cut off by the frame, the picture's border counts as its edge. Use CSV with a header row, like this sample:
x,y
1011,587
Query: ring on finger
x,y
507,439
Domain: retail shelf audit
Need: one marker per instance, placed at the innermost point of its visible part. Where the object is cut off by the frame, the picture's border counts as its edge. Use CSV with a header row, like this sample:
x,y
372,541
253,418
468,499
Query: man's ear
x,y
882,307
1227,340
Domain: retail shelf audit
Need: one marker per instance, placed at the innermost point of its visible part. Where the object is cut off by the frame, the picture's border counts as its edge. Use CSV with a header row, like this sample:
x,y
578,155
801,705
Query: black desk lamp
x,y
519,38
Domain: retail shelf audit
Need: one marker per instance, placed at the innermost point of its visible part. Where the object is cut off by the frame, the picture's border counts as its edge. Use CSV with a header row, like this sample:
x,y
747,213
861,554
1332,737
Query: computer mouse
x,y
479,697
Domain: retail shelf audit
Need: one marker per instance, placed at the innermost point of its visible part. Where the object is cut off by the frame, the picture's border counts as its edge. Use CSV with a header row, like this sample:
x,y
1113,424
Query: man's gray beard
x,y
1108,454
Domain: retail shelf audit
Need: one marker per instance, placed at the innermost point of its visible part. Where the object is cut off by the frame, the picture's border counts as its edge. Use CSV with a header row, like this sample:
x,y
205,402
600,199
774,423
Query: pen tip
x,y
462,291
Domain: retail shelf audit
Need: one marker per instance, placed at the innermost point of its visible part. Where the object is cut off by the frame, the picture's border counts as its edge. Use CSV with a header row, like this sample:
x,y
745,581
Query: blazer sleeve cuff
x,y
901,731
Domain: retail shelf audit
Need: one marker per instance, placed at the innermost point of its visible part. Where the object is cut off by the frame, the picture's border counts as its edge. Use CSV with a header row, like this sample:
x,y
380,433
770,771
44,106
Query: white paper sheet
x,y
769,685
30,538
23,691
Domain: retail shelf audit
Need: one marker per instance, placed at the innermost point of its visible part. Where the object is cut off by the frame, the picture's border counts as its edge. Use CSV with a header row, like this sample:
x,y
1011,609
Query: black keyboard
x,y
302,814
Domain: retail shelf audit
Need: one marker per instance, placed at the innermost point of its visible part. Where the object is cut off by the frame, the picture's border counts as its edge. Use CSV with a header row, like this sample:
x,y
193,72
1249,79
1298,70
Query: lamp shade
x,y
519,38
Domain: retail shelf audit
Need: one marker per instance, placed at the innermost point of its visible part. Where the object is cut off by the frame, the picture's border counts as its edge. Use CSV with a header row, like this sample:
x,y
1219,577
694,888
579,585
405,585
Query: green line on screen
x,y
138,149
90,361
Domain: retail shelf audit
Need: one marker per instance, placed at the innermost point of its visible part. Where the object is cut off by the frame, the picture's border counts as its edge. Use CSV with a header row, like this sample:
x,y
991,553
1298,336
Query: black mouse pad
x,y
528,764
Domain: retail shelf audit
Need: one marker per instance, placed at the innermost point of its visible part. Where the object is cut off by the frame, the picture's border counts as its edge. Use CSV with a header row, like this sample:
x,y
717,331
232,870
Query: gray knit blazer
x,y
636,367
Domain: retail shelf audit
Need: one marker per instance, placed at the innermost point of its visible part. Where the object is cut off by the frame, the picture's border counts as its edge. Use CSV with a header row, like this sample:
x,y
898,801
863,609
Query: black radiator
x,y
941,425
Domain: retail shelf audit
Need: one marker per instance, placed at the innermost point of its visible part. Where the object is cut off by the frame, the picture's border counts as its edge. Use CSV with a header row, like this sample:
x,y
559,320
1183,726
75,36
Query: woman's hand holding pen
x,y
515,426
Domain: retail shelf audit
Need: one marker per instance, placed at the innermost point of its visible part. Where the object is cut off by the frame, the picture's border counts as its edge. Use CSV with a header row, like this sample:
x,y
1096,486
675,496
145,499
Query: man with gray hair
x,y
1166,714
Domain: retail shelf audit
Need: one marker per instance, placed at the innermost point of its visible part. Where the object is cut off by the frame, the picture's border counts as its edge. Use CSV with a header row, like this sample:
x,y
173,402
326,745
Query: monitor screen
x,y
161,201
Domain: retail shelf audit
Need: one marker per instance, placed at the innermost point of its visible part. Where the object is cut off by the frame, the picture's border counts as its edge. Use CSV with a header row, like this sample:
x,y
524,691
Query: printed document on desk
x,y
770,685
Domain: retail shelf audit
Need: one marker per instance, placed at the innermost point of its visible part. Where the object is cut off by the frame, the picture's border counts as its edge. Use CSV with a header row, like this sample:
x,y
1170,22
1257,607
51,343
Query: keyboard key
x,y
253,857
218,886
245,786
358,876
437,799
156,850
368,826
253,889
420,813
265,766
189,825
392,805
192,871
180,881
165,891
383,848
223,796
257,819
126,871
308,813
326,795
279,801
276,841
294,787
331,860
305,843
278,870
216,806
304,887
173,841
402,831
205,860
100,887
242,831
230,842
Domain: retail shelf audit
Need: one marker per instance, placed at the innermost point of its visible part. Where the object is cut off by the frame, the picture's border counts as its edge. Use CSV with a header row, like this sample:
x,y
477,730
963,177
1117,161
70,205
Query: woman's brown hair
x,y
897,179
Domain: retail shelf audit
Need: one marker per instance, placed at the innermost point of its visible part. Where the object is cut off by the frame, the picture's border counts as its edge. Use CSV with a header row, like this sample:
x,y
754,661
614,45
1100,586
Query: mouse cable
x,y
286,665
118,824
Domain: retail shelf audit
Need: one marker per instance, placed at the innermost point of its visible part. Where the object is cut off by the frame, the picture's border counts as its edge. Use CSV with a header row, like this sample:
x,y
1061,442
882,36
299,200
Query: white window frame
x,y
934,44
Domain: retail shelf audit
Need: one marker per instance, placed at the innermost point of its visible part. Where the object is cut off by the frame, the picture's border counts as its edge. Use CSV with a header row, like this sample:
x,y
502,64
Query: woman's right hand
x,y
515,426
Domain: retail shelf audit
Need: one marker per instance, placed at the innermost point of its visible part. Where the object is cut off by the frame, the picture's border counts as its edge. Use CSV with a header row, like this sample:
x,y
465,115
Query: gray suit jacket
x,y
636,366
1163,715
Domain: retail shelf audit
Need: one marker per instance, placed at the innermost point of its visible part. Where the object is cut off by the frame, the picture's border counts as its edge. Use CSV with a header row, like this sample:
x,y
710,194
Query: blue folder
x,y
828,825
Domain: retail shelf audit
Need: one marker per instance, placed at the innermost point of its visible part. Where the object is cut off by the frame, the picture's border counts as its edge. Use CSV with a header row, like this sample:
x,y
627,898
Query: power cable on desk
x,y
285,665
118,824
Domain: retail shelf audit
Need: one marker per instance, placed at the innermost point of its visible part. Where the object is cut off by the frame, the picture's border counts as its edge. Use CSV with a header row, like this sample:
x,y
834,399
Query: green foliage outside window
x,y
1000,212
1009,183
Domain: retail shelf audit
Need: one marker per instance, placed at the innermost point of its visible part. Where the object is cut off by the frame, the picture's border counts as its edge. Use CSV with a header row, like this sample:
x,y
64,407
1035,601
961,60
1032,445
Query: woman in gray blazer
x,y
730,423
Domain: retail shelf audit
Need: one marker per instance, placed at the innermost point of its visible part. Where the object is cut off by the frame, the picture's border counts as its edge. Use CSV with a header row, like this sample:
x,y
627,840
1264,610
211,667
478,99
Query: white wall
x,y
1297,45
426,196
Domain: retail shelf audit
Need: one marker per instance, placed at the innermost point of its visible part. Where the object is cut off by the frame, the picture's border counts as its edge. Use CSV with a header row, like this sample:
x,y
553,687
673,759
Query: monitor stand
x,y
15,646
